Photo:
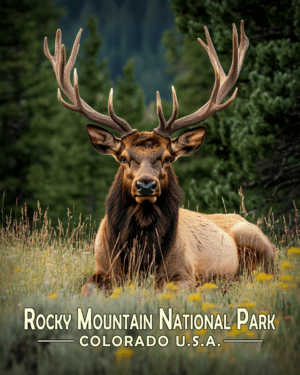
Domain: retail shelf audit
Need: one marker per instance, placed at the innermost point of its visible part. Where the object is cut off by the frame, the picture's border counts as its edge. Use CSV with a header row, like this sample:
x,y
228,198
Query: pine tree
x,y
129,101
260,134
23,86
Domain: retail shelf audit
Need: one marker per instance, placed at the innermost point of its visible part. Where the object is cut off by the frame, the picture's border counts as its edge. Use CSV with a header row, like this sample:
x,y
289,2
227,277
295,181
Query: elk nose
x,y
146,189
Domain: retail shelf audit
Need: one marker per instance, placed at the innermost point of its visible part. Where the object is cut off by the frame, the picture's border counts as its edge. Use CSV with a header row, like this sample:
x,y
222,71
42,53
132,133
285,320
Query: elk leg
x,y
97,281
254,247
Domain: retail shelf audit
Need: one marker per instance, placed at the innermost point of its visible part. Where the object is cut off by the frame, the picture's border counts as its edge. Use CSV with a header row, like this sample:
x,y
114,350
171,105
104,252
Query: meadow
x,y
44,267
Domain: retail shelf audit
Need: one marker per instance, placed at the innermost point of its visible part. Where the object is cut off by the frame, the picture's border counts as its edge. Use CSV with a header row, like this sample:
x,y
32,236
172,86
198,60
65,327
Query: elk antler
x,y
223,84
63,71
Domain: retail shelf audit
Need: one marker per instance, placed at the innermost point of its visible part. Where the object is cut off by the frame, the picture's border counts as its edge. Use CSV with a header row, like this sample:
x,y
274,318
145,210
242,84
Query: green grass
x,y
45,268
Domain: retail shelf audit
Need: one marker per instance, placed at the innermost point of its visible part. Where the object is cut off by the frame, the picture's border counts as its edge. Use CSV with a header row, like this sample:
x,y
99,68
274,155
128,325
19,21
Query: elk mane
x,y
150,228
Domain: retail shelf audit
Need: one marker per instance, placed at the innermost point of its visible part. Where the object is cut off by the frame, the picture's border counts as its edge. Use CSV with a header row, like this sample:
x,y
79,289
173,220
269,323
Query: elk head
x,y
146,157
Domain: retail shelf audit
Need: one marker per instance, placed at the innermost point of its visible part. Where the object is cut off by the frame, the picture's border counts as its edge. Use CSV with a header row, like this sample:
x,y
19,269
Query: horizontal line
x,y
56,340
243,340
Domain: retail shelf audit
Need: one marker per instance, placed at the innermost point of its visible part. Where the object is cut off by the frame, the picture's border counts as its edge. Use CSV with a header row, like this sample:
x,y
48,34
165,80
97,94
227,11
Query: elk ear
x,y
188,142
103,140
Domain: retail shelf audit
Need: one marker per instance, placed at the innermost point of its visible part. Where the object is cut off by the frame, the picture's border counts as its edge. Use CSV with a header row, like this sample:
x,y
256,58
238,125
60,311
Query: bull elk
x,y
144,228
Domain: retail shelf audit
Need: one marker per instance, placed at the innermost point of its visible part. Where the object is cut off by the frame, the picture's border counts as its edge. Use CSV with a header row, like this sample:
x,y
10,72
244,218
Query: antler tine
x,y
160,114
223,84
73,54
210,49
63,70
163,124
243,46
175,108
122,123
229,81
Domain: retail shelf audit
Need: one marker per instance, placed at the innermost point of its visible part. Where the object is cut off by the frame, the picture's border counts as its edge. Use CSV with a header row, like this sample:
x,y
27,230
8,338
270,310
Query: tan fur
x,y
211,245
205,246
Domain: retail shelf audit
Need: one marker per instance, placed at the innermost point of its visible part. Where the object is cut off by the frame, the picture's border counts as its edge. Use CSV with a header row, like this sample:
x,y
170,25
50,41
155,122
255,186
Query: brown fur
x,y
173,243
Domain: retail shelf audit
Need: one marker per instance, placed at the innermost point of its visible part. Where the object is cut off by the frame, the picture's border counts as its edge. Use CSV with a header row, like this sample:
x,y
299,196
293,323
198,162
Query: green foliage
x,y
24,85
260,135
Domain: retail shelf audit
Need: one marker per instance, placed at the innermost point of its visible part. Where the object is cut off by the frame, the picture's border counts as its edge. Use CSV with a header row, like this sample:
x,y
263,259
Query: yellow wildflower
x,y
209,286
231,306
124,353
250,334
294,251
167,296
53,295
118,290
235,332
286,278
250,285
131,288
200,332
206,306
246,300
201,349
247,305
285,286
263,277
18,269
286,265
115,295
243,329
195,297
172,286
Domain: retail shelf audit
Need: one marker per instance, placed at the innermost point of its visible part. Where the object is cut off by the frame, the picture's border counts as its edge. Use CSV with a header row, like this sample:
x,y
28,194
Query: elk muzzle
x,y
146,188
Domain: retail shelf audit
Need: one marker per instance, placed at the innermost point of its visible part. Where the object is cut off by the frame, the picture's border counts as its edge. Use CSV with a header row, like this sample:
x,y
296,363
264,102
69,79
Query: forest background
x,y
138,48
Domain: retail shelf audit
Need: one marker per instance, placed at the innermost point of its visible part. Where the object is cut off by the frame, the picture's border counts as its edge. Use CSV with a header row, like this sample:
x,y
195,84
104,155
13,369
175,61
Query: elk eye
x,y
123,159
168,159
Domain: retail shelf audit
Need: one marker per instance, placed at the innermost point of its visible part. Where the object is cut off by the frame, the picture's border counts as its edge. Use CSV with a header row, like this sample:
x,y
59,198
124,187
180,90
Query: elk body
x,y
144,229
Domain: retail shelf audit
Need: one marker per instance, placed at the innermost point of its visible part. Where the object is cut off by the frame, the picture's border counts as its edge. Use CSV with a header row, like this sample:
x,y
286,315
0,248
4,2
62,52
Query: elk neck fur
x,y
150,227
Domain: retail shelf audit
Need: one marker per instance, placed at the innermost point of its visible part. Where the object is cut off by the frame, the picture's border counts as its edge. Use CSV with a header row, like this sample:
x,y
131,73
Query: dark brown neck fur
x,y
148,228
